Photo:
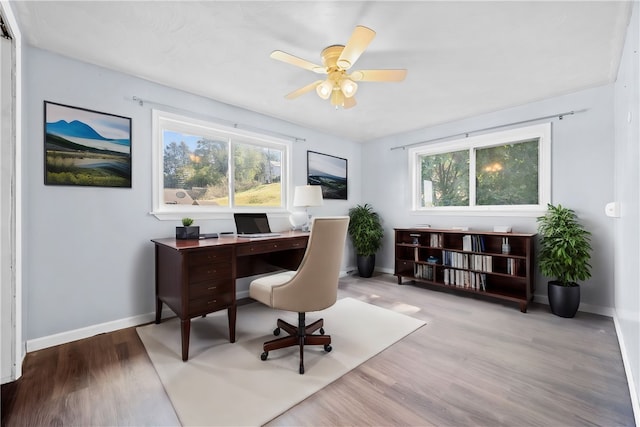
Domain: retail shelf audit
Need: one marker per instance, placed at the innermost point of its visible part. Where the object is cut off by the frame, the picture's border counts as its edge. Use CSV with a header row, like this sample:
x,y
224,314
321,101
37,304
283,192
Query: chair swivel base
x,y
301,335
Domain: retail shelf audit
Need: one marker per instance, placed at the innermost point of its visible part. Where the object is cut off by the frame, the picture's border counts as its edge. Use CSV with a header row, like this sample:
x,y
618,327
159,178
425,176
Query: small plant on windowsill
x,y
187,231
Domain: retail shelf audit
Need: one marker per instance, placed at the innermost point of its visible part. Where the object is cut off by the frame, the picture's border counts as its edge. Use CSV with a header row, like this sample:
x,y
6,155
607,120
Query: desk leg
x,y
231,313
158,310
185,326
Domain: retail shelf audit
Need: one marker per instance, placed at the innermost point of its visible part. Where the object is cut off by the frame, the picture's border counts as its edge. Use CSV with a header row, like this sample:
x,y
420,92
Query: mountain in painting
x,y
75,129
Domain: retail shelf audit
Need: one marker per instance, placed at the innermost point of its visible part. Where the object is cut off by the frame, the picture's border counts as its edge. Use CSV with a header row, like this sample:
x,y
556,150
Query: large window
x,y
205,168
506,171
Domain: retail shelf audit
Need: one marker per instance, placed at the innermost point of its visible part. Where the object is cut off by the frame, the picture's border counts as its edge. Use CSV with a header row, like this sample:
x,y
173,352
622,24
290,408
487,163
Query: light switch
x,y
612,209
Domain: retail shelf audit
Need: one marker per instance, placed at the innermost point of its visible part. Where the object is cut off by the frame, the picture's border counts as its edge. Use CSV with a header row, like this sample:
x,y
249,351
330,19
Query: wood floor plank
x,y
475,363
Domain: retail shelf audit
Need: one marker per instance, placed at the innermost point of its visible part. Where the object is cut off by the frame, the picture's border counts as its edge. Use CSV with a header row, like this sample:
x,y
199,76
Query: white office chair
x,y
313,287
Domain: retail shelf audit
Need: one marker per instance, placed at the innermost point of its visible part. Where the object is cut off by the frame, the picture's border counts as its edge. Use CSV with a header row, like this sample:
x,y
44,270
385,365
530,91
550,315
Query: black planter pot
x,y
187,233
563,300
366,264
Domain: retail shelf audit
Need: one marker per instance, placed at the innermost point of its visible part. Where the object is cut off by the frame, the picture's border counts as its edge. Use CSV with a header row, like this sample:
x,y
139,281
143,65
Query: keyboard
x,y
209,236
258,235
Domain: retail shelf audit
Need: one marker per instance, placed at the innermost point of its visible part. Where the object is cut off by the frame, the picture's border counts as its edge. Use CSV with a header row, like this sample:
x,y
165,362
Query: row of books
x,y
465,279
512,266
453,277
472,261
435,240
423,271
473,243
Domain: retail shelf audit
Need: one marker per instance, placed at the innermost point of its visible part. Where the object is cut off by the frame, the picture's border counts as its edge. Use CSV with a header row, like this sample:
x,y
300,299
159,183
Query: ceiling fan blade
x,y
360,39
298,62
303,90
349,102
378,75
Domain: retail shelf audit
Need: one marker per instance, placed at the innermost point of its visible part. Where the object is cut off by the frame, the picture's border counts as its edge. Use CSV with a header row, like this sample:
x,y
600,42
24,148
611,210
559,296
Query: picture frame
x,y
330,172
84,147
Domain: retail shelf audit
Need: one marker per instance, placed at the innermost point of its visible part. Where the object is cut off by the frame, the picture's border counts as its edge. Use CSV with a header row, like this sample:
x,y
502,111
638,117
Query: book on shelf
x,y
466,243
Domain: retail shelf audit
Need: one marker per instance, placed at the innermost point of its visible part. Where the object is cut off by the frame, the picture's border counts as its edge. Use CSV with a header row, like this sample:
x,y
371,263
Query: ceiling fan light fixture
x,y
324,89
337,98
340,86
349,87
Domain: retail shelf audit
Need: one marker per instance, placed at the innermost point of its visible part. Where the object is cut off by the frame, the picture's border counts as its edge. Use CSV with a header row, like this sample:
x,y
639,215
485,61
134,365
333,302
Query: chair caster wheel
x,y
327,348
264,355
321,331
301,369
276,331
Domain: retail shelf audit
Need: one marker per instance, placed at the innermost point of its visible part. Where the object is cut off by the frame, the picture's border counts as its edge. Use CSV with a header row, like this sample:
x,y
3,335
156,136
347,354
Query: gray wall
x,y
627,193
582,179
88,258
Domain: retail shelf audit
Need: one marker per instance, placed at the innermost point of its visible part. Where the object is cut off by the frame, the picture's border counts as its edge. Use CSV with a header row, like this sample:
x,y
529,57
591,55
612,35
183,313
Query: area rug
x,y
227,384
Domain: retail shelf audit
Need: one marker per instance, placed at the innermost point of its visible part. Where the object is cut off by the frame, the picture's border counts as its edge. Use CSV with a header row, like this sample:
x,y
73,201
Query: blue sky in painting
x,y
326,165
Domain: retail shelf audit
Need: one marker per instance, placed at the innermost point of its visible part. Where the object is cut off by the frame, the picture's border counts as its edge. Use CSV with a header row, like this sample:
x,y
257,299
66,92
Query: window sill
x,y
210,215
532,212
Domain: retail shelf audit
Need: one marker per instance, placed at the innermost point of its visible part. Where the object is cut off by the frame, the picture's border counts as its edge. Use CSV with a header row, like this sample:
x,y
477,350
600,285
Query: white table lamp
x,y
305,196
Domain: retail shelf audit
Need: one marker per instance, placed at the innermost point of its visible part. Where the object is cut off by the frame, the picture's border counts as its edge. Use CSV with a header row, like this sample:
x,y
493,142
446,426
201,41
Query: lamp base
x,y
298,220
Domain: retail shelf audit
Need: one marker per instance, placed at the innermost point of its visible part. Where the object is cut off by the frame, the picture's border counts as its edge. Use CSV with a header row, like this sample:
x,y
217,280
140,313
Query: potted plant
x,y
187,231
366,232
565,253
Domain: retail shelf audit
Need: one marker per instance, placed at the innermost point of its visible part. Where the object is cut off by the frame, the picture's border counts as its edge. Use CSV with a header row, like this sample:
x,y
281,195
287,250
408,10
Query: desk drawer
x,y
209,256
210,304
271,246
210,289
209,272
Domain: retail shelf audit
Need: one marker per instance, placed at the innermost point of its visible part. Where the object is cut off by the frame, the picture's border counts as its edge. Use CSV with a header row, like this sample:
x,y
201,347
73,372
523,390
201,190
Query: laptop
x,y
253,225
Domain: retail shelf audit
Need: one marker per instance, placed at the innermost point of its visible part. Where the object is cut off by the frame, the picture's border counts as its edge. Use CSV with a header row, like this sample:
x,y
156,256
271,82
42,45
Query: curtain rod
x,y
560,116
141,102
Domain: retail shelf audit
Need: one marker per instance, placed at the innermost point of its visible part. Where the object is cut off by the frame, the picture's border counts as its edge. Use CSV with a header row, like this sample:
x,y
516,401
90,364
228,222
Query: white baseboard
x,y
585,308
635,399
89,331
543,299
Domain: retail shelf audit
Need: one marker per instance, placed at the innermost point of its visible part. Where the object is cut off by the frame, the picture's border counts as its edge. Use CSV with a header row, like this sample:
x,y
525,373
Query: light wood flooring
x,y
476,362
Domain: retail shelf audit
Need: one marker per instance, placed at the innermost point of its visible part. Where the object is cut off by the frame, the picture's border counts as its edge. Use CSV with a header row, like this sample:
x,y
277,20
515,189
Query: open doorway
x,y
10,351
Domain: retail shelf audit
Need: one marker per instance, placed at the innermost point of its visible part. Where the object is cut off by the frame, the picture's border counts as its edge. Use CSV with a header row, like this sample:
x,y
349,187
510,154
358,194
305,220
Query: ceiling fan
x,y
340,86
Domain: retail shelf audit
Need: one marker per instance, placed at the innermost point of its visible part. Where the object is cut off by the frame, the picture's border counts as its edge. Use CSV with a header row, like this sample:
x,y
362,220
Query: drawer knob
x,y
212,288
212,302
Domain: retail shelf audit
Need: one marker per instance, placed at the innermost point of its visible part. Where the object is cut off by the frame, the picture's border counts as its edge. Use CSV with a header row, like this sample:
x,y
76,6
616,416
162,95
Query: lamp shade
x,y
324,89
307,195
349,87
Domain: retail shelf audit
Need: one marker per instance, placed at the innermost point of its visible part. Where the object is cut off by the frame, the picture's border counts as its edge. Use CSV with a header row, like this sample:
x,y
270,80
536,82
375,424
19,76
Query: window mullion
x,y
232,174
472,176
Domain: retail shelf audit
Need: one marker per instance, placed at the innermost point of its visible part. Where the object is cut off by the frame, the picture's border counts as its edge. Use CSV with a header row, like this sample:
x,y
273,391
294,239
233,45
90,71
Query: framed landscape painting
x,y
85,147
329,172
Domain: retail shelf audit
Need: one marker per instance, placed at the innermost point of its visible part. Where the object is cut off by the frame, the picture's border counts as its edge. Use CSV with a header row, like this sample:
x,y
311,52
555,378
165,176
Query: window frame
x,y
542,132
162,120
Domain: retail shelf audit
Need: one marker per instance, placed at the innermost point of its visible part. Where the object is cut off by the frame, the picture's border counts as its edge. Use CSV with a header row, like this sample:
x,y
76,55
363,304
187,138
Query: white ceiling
x,y
463,58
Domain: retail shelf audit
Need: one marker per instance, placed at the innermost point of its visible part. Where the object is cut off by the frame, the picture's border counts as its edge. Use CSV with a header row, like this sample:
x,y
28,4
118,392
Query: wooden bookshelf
x,y
468,262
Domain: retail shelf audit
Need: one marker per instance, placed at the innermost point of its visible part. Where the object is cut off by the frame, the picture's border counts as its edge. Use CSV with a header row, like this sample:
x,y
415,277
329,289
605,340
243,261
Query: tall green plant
x,y
565,246
365,229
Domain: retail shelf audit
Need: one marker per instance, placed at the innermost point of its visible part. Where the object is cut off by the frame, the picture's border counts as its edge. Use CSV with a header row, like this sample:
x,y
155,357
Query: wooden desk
x,y
196,277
